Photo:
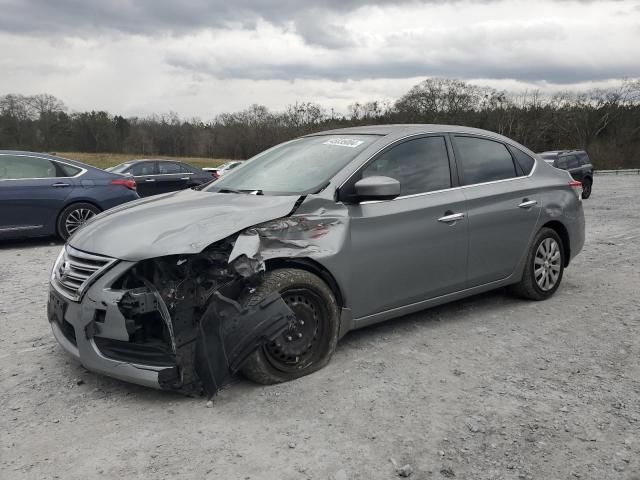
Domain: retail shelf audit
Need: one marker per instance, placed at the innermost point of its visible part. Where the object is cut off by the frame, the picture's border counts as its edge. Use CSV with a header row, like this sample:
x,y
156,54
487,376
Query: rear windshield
x,y
300,166
120,168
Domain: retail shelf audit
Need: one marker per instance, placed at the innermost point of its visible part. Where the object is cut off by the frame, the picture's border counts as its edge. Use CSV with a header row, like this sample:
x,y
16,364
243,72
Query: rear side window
x,y
420,165
15,167
572,161
584,158
524,161
484,160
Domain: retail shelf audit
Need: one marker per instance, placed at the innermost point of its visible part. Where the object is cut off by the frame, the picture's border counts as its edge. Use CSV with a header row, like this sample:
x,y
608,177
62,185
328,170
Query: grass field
x,y
104,160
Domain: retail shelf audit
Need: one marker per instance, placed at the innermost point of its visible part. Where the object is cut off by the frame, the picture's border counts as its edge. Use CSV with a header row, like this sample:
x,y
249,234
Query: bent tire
x,y
544,268
309,342
586,188
73,217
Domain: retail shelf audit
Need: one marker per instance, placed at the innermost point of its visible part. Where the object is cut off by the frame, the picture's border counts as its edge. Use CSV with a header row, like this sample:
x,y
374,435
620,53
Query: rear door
x,y
145,174
404,250
502,204
33,190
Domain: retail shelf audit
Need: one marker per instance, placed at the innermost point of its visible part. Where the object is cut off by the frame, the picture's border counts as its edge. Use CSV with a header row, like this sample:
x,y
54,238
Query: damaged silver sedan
x,y
264,270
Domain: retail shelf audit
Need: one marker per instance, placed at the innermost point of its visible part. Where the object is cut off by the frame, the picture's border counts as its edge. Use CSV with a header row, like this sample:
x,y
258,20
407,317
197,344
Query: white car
x,y
217,172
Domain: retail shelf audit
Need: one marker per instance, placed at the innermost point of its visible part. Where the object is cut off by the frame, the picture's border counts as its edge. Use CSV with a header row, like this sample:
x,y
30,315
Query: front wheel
x,y
309,341
75,216
545,265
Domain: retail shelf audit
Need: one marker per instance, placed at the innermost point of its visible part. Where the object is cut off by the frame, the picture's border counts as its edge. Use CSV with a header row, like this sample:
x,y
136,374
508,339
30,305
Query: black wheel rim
x,y
586,188
301,343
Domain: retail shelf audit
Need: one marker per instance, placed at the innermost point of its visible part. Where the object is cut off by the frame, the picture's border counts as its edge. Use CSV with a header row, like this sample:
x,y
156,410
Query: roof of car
x,y
401,130
560,152
138,160
50,156
406,128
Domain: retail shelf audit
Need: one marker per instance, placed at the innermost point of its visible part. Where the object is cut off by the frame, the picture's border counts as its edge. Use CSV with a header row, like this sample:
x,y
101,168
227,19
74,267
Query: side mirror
x,y
377,188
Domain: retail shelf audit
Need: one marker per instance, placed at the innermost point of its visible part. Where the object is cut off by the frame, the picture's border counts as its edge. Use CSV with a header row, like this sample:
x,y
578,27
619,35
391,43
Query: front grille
x,y
75,270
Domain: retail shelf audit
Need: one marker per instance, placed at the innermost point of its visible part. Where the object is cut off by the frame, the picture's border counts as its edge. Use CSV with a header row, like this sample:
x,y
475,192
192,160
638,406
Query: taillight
x,y
577,187
129,183
215,175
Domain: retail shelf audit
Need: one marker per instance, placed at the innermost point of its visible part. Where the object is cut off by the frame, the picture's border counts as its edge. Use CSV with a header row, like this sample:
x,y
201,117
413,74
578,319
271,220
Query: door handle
x,y
528,203
184,178
451,217
150,180
61,185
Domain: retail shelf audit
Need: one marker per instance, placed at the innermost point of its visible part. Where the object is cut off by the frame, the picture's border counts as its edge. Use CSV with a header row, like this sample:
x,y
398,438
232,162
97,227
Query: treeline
x,y
605,122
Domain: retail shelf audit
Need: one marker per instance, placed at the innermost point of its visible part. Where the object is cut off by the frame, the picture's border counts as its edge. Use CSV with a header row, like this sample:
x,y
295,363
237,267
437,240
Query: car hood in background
x,y
176,223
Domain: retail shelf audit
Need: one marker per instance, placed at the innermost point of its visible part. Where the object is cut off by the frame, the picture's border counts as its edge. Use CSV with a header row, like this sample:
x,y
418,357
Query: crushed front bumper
x,y
184,337
76,325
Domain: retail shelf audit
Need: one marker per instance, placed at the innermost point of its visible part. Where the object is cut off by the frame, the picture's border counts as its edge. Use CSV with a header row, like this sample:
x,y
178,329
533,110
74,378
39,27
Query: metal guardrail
x,y
619,171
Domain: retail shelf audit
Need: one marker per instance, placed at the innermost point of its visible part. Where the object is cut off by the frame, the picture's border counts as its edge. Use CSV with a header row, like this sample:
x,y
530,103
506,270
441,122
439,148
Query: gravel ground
x,y
490,387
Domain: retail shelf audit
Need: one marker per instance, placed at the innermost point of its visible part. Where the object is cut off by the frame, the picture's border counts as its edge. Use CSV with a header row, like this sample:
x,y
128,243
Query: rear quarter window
x,y
524,161
65,170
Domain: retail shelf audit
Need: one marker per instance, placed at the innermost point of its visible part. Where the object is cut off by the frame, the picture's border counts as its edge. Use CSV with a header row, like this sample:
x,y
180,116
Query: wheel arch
x,y
563,233
310,266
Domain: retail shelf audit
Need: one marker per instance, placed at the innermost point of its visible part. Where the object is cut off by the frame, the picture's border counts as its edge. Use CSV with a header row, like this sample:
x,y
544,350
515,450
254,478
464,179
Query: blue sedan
x,y
43,195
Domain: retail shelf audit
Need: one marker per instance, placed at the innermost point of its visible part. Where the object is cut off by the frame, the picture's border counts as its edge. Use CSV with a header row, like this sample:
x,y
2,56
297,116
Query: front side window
x,y
562,162
15,167
483,160
420,165
141,169
303,165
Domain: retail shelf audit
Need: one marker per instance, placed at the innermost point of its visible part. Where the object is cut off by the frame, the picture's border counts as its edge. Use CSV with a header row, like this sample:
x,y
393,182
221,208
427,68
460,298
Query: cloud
x,y
199,57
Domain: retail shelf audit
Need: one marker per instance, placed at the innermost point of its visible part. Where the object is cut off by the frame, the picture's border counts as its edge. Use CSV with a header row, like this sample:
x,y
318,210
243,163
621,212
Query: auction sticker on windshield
x,y
344,142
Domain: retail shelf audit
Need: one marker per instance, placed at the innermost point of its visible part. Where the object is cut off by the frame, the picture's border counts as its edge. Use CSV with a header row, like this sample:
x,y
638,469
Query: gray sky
x,y
203,57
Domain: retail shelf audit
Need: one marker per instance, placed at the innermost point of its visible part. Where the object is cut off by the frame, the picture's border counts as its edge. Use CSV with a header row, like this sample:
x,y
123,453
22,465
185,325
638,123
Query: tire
x,y
306,346
586,188
73,217
533,286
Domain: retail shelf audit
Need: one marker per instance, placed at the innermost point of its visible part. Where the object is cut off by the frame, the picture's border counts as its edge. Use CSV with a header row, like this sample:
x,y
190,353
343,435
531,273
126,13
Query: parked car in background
x,y
162,176
214,171
576,162
223,169
48,195
266,268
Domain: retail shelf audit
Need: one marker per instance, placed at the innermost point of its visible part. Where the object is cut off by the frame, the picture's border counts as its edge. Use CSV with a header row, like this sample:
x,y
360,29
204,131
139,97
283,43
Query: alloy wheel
x,y
547,264
77,218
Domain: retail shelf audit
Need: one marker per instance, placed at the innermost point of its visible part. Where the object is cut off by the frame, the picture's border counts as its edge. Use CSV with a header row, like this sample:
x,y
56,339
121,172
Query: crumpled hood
x,y
176,223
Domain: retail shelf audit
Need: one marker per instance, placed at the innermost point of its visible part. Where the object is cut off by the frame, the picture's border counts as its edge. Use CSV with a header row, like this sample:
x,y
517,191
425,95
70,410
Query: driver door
x,y
404,250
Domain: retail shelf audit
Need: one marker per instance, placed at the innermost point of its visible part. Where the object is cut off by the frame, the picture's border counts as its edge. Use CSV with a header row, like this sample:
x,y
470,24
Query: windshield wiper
x,y
229,190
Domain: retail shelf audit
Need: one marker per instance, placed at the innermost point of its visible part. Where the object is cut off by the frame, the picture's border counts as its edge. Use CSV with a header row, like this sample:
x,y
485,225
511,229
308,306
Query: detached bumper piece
x,y
226,337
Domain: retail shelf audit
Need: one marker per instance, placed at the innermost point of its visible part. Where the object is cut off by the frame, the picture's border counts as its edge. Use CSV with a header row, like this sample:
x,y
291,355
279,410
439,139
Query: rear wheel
x,y
310,340
73,217
586,188
545,266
